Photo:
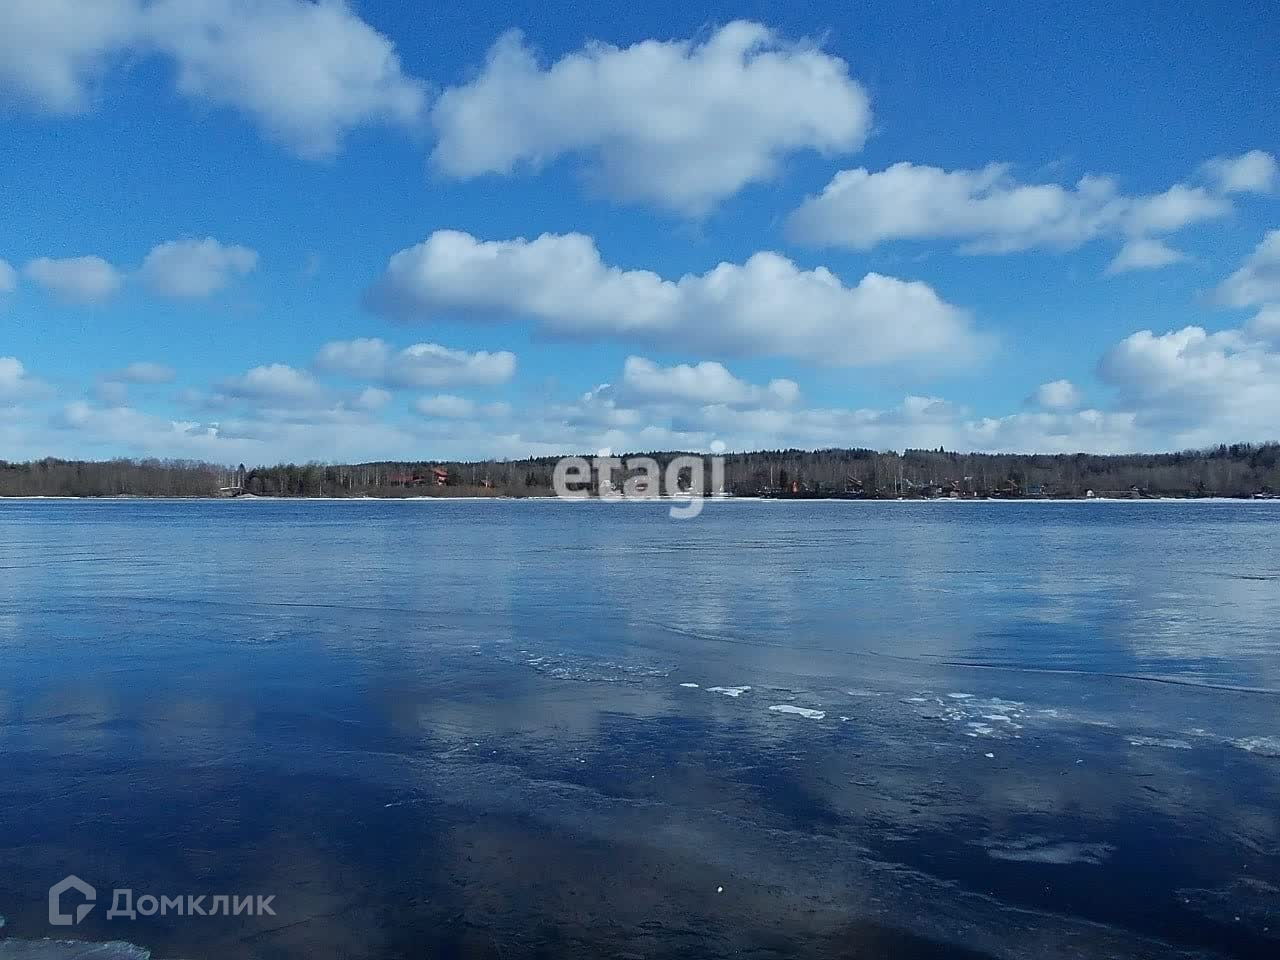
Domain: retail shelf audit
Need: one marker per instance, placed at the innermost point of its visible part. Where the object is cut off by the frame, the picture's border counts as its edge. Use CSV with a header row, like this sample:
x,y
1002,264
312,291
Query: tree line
x,y
111,478
1235,470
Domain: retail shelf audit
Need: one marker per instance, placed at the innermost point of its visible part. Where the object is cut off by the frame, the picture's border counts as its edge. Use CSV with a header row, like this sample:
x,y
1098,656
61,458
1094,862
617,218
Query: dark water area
x,y
470,729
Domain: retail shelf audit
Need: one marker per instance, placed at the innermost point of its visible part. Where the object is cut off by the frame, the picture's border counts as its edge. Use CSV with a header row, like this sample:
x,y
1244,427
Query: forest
x,y
1235,470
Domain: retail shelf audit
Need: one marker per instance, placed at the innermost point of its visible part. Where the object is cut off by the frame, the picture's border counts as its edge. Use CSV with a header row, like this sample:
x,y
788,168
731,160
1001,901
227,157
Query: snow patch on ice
x,y
1168,744
976,716
798,711
729,691
1041,850
1263,746
689,686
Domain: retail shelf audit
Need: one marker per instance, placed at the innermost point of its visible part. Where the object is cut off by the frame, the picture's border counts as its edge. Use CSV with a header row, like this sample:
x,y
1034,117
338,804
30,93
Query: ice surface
x,y
70,950
1263,746
1167,743
1042,850
797,711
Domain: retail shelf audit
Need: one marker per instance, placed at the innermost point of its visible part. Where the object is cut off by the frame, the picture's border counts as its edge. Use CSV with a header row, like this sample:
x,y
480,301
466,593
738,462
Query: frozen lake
x,y
541,729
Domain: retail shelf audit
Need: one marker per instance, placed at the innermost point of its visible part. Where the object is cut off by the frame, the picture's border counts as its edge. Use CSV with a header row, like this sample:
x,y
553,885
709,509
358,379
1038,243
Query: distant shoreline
x,y
126,498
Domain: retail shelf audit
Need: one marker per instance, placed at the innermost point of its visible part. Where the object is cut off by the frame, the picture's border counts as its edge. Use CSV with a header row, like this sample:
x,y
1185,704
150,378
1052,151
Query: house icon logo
x,y
56,916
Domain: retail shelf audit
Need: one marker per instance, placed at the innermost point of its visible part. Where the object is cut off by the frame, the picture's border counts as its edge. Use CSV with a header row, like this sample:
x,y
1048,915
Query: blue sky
x,y
359,231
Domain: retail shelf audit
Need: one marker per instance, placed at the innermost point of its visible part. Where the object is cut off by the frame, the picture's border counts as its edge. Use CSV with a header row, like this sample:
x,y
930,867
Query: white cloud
x,y
988,209
144,372
1175,208
1177,390
445,405
1180,389
419,365
111,392
1252,172
189,268
682,123
8,278
1058,395
79,280
274,383
50,50
366,358
598,420
371,398
139,430
627,420
702,383
1145,253
15,382
113,388
344,436
767,306
309,72
1258,279
1092,431
1204,387
1266,325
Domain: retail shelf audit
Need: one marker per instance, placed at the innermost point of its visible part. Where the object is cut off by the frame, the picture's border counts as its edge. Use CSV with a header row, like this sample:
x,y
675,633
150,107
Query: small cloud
x,y
1058,395
1252,172
8,278
372,399
702,383
111,392
417,366
1266,325
144,372
16,383
1145,253
113,388
444,405
1257,282
989,211
76,280
276,383
191,269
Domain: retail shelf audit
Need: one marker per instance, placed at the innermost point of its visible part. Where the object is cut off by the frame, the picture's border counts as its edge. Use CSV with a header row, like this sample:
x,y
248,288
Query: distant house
x,y
440,476
1008,488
